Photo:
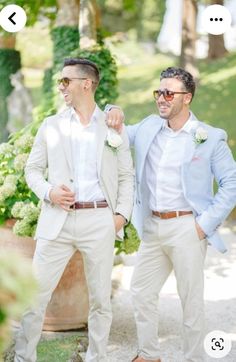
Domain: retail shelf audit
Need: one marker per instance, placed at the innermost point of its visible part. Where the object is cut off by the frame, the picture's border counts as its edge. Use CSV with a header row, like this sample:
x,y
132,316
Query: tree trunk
x,y
88,23
216,43
188,45
68,13
7,41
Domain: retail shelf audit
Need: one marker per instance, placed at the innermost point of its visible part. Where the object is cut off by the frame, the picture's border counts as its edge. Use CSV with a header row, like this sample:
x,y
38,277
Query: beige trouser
x,y
170,244
92,231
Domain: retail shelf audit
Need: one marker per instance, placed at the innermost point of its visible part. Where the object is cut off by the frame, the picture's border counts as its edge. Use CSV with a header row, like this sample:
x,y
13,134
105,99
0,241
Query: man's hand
x,y
62,196
200,232
119,221
115,119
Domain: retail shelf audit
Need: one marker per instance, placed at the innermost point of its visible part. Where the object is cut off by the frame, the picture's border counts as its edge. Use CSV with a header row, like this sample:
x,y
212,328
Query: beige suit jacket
x,y
50,164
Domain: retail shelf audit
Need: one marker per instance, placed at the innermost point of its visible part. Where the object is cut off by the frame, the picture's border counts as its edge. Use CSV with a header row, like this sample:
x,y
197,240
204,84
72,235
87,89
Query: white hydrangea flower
x,y
6,150
15,211
22,228
20,161
2,179
24,143
8,189
2,195
11,179
30,212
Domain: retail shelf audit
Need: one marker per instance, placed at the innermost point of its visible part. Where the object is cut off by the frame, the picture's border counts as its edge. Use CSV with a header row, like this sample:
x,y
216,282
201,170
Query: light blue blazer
x,y
203,163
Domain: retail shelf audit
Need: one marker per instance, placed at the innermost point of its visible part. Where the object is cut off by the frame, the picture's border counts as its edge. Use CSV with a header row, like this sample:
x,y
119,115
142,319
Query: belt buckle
x,y
177,213
95,204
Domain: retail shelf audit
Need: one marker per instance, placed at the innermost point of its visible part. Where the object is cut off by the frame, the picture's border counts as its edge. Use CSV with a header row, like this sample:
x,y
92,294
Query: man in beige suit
x,y
87,198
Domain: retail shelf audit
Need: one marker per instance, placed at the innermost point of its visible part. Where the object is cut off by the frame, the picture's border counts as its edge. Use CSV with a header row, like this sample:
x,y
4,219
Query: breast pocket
x,y
198,178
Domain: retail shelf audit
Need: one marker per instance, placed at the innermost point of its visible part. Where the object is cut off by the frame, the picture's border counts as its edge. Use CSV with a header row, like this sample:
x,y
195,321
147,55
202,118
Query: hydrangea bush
x,y
16,200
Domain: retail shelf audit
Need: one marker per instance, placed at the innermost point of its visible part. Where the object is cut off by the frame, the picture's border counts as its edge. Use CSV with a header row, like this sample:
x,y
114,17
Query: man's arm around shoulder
x,y
125,178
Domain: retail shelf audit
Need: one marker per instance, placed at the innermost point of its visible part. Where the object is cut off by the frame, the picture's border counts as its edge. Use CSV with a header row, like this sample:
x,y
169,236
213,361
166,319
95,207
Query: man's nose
x,y
61,86
161,98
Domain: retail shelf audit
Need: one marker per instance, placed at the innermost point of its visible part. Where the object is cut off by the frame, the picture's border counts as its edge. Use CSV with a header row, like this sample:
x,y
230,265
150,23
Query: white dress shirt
x,y
163,168
84,155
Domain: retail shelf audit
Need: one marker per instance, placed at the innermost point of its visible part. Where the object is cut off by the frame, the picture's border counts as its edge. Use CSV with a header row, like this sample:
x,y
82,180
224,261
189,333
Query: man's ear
x,y
187,98
88,84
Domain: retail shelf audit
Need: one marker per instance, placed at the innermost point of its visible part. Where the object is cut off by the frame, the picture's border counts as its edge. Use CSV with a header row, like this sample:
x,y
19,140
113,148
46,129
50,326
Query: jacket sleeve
x,y
125,178
224,170
36,166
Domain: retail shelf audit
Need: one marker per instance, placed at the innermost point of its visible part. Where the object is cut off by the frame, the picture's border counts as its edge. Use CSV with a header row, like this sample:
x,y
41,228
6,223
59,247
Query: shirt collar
x,y
188,127
93,118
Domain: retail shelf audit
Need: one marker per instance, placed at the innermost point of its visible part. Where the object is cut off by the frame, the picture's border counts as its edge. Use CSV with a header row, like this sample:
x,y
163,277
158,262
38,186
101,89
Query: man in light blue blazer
x,y
176,212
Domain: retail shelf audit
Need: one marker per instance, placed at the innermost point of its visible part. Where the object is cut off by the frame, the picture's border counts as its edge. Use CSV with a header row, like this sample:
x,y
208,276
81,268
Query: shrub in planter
x,y
16,200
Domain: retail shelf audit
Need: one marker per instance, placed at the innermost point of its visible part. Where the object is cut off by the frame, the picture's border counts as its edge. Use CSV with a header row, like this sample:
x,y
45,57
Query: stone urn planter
x,y
68,308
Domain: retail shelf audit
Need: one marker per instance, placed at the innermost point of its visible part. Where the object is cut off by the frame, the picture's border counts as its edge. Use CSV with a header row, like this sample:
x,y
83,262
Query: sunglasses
x,y
167,94
66,81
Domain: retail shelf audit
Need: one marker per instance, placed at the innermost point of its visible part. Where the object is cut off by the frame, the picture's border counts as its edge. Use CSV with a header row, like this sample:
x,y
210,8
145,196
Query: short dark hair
x,y
86,66
182,75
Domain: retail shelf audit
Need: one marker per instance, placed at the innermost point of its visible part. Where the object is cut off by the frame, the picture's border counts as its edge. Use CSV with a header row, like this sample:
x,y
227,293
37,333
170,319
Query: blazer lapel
x,y
101,137
190,146
65,132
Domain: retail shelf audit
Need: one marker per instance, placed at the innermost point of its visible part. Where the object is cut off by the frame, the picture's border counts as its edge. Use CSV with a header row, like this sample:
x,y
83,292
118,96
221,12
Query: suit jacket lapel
x,y
190,146
101,137
65,131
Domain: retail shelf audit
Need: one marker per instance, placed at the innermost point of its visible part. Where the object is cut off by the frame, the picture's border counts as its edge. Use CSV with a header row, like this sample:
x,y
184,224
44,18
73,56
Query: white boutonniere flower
x,y
200,135
113,140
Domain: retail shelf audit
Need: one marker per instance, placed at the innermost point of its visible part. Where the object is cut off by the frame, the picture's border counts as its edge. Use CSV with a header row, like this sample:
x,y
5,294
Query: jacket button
x,y
71,180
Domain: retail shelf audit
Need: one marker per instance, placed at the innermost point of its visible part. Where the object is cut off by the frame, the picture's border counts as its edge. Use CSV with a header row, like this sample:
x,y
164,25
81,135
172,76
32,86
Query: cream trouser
x,y
170,244
92,231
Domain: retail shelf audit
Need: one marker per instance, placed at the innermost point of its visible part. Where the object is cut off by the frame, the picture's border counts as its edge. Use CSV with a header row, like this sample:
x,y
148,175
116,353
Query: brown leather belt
x,y
89,205
170,214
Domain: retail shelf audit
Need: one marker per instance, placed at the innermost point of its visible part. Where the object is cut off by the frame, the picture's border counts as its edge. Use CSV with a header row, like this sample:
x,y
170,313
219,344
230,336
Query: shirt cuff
x,y
47,197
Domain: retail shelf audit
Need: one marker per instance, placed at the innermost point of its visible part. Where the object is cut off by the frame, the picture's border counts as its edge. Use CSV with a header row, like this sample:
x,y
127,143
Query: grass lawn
x,y
57,350
61,348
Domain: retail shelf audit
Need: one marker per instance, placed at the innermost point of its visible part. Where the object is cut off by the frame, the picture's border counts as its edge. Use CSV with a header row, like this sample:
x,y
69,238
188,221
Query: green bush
x,y
65,40
107,90
99,54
